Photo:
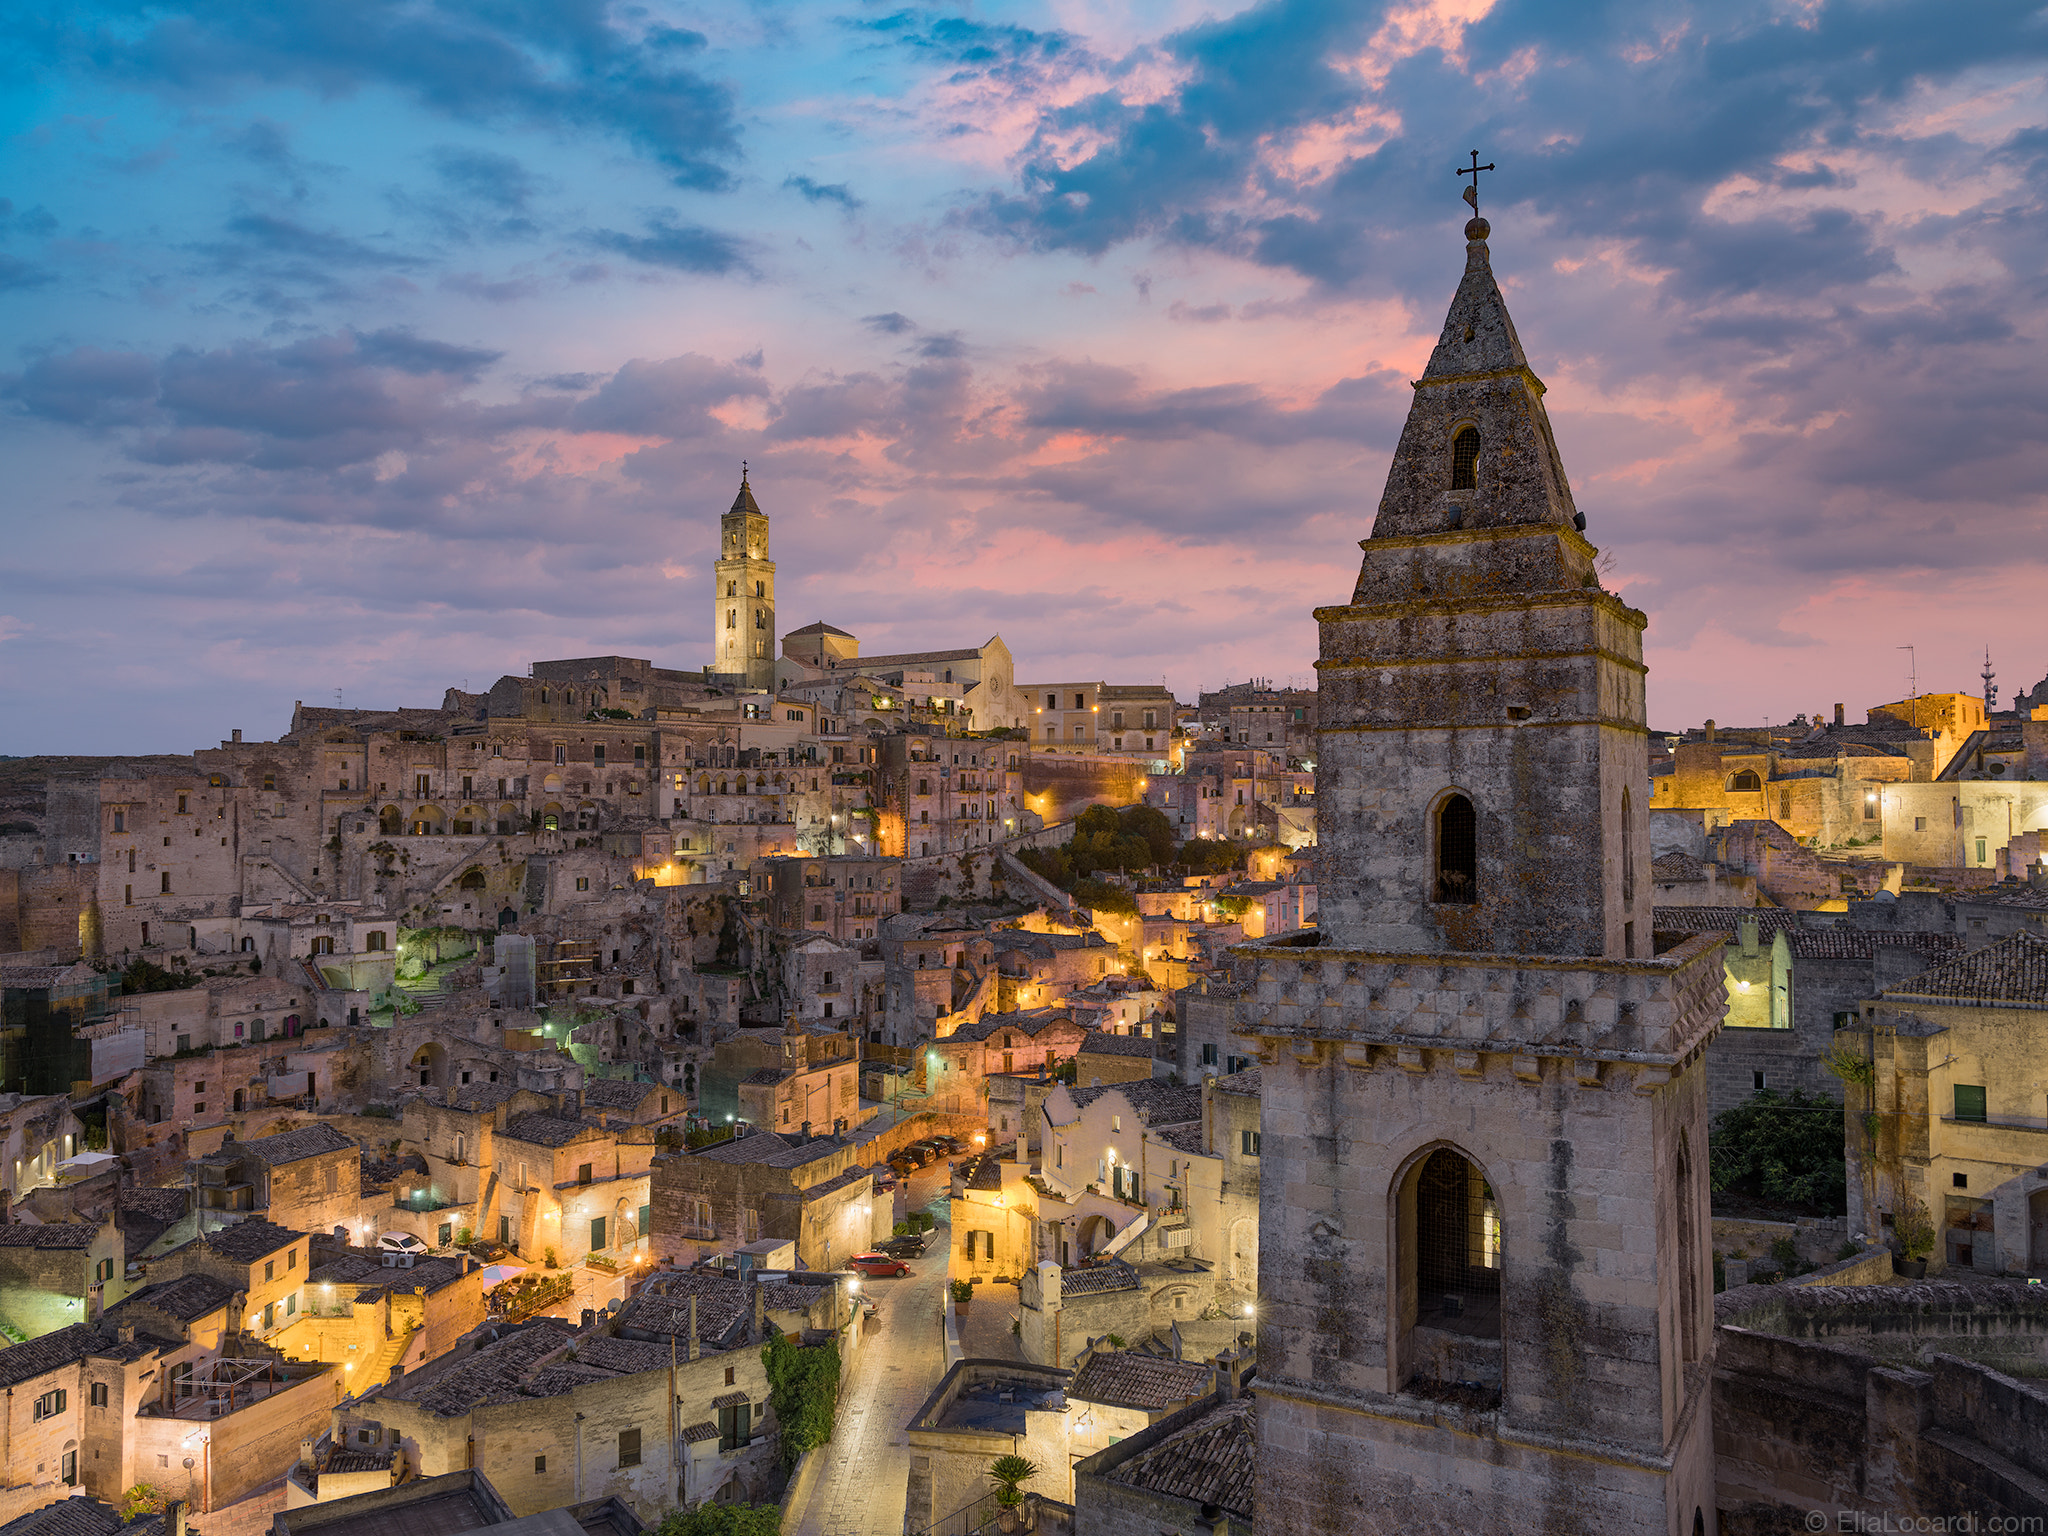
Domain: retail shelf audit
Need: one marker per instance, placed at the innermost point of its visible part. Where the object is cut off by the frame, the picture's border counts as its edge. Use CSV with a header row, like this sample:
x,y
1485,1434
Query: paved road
x,y
861,1489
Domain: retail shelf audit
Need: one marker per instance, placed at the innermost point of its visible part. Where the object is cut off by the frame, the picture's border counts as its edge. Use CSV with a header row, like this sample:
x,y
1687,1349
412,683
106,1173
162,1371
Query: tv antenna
x,y
1912,670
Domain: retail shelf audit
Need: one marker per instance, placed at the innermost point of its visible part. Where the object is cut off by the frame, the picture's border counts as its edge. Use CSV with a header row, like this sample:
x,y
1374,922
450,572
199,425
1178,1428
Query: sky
x,y
365,350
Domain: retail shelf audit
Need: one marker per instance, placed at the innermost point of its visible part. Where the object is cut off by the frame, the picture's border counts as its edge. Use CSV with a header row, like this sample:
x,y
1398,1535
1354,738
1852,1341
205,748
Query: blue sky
x,y
383,347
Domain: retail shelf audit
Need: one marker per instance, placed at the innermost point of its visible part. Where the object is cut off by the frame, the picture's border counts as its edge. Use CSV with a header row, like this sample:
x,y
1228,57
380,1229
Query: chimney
x,y
174,1518
759,1313
696,1348
1710,730
589,1318
124,1333
1839,713
237,736
1746,929
306,1453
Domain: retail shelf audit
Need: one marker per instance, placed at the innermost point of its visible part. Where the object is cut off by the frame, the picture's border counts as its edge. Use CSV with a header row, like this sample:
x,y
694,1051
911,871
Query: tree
x,y
723,1520
803,1392
143,1499
1789,1150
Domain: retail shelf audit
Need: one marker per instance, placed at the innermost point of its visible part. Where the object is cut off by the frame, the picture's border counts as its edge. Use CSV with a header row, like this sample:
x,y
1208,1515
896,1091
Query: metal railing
x,y
965,1522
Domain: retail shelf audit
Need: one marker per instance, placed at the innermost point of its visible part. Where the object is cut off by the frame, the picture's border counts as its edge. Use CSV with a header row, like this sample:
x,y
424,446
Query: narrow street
x,y
861,1489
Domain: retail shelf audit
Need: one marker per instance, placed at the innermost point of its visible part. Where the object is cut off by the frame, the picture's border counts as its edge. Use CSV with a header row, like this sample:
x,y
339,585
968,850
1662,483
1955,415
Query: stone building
x,y
1486,1267
942,794
309,1180
55,1274
818,1194
1951,1116
1193,1472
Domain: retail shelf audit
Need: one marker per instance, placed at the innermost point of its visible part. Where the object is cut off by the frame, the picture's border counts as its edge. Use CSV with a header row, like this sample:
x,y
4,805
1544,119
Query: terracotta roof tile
x,y
2013,970
1214,1460
1139,1381
1113,1276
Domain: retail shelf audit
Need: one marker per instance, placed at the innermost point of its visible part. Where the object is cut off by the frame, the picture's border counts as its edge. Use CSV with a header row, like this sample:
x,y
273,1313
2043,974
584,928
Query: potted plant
x,y
1913,1229
1006,1472
962,1293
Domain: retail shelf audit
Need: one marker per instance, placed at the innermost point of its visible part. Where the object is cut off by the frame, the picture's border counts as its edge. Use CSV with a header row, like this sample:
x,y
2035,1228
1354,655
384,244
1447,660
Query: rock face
x,y
1485,1273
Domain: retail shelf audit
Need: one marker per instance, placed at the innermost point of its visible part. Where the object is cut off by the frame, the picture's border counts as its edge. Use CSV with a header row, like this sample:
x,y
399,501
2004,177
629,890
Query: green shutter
x,y
1969,1102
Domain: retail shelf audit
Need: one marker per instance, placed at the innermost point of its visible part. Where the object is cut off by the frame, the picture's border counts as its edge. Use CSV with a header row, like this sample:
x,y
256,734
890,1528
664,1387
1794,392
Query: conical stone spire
x,y
1478,381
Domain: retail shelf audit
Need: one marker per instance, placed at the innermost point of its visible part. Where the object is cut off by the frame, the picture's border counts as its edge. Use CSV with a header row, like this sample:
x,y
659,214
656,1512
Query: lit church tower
x,y
743,610
1485,1278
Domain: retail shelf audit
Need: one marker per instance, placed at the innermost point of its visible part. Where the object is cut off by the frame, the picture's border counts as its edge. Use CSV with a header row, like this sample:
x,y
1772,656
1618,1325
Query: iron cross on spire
x,y
1471,193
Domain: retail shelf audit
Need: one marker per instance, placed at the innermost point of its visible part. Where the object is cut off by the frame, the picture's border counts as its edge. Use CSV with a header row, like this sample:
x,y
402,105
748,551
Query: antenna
x,y
337,698
1990,688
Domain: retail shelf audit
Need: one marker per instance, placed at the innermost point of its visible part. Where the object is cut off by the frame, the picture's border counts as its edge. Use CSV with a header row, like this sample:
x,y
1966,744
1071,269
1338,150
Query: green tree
x,y
1102,897
1149,825
723,1520
1006,1472
803,1391
1784,1149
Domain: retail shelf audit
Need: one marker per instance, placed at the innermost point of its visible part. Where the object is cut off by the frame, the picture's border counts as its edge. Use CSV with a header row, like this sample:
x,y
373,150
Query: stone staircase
x,y
377,1370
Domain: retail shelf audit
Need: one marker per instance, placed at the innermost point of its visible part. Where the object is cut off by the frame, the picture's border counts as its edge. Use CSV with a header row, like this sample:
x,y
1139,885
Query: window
x,y
1969,1103
99,1394
540,1463
181,805
166,882
729,1373
1959,1180
1870,805
1465,459
375,941
120,821
583,1177
70,1469
597,754
1758,1082
1457,852
583,882
270,1269
49,1405
629,1447
1784,805
1980,850
1919,823
1248,1143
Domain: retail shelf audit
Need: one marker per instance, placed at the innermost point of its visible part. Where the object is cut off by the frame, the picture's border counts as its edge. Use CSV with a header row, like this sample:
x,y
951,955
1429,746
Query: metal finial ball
x,y
1477,229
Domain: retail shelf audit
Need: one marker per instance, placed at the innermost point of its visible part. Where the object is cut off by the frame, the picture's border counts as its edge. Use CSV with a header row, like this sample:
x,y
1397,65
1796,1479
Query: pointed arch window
x,y
1457,851
1628,852
1465,459
1747,782
732,618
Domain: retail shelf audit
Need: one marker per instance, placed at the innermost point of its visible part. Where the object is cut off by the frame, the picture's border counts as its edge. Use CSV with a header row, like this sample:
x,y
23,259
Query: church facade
x,y
1486,1288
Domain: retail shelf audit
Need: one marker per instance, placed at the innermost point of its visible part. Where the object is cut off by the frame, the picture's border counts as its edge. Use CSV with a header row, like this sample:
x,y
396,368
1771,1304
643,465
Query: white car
x,y
401,1242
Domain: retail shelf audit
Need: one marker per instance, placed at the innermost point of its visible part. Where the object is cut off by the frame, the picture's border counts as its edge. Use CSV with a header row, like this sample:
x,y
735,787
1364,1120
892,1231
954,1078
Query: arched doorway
x,y
1096,1231
507,917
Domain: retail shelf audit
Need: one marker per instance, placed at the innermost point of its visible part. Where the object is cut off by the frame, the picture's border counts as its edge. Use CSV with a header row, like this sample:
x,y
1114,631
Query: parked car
x,y
909,1159
882,1266
953,1144
885,1177
911,1245
400,1242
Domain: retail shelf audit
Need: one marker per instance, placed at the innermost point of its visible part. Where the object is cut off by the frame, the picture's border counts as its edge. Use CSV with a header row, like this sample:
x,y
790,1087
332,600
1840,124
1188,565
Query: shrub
x,y
1006,1472
1784,1149
1914,1229
547,1257
961,1290
723,1520
464,1237
803,1392
143,1499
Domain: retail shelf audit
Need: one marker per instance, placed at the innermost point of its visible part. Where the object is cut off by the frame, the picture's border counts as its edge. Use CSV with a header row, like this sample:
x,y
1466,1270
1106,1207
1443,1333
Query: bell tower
x,y
1486,1293
743,594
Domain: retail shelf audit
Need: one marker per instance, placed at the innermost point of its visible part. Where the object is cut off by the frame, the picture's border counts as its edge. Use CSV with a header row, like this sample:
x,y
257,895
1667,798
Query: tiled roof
x,y
1101,1043
1672,867
983,1171
695,1434
2013,970
21,1234
247,1241
1113,1276
1721,919
723,1309
1027,1023
291,1146
2030,898
358,1461
497,1372
1214,1460
544,1130
187,1298
366,1269
165,1205
482,1096
67,1346
1239,1082
74,1517
1863,943
766,1075
860,1175
1167,1103
730,1399
766,1147
1183,1138
1139,1381
615,1093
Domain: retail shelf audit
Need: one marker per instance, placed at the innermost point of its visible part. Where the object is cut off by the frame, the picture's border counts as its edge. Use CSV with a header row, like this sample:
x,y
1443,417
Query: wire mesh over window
x,y
1457,852
1465,459
1457,1231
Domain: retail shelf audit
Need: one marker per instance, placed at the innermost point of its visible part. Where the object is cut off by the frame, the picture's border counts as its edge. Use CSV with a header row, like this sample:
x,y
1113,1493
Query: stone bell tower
x,y
743,605
1486,1283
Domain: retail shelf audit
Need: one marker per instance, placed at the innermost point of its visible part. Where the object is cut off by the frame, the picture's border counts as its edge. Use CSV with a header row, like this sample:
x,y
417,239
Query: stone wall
x,y
1060,786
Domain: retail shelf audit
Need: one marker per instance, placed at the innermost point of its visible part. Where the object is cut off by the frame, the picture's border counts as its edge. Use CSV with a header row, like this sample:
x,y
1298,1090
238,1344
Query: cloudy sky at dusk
x,y
378,346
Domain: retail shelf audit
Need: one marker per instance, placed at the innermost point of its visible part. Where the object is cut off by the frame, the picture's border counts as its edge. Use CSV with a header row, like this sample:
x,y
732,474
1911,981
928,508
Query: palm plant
x,y
1006,1472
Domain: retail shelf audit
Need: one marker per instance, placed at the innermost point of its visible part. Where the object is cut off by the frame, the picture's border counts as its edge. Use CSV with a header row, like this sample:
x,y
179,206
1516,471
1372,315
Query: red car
x,y
875,1265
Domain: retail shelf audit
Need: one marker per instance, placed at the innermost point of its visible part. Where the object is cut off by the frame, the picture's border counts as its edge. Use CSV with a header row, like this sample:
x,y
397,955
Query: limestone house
x,y
1107,1056
308,1179
961,1066
980,1410
667,1403
1957,1099
1116,1393
53,1275
371,1312
1191,1472
806,1091
818,1193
